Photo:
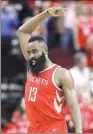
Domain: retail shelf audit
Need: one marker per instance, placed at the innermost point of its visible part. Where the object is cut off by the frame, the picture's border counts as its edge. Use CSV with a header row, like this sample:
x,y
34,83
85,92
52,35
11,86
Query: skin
x,y
64,79
36,48
62,76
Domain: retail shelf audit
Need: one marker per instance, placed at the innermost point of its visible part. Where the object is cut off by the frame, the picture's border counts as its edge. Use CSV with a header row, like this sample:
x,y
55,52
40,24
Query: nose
x,y
32,56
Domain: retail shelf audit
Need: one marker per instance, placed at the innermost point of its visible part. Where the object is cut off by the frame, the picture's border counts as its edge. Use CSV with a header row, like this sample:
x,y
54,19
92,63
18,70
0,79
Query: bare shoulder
x,y
63,72
64,75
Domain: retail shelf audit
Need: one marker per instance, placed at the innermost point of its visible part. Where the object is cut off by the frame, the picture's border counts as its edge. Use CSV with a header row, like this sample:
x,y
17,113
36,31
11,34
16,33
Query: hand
x,y
57,11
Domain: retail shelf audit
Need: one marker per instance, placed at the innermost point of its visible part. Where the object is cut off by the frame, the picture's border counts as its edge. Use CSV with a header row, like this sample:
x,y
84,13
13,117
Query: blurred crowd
x,y
70,42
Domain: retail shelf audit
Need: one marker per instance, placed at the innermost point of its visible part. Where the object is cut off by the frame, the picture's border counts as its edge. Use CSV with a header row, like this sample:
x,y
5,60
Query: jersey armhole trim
x,y
54,80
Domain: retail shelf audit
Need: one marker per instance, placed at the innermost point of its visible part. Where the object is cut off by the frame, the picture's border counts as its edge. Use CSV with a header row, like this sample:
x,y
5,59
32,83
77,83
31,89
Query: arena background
x,y
60,35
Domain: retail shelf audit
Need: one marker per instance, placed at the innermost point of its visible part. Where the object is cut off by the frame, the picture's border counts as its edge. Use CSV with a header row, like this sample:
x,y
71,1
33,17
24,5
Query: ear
x,y
45,51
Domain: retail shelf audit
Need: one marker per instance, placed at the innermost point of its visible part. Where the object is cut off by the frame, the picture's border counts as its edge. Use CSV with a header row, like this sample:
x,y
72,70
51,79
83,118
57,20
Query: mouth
x,y
33,62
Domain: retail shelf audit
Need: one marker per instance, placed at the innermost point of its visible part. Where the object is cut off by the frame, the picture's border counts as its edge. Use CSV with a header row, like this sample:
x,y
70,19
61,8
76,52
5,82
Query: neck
x,y
48,63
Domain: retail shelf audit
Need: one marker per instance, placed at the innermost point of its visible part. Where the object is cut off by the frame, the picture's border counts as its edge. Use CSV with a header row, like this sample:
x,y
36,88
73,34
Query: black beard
x,y
39,66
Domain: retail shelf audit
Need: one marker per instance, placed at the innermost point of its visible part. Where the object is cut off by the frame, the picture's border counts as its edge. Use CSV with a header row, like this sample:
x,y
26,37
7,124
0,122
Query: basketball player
x,y
47,83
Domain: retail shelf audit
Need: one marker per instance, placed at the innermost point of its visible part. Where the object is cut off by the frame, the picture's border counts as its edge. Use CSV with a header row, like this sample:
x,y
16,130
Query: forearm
x,y
31,24
72,100
76,117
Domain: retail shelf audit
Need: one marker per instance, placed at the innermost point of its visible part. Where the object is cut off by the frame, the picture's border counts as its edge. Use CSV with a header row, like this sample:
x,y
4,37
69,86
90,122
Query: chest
x,y
41,85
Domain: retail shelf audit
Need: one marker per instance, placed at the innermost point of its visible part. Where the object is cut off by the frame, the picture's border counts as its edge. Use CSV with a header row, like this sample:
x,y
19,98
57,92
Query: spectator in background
x,y
90,50
23,9
9,22
49,28
81,73
19,118
37,10
18,123
86,106
52,35
83,27
66,39
37,7
42,28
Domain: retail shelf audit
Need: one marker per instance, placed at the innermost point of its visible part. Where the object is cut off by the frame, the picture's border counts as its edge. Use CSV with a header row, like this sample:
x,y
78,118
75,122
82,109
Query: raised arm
x,y
71,98
27,28
31,25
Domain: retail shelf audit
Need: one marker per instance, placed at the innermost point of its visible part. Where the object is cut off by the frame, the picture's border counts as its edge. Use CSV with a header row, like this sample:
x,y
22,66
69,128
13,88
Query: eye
x,y
35,51
28,52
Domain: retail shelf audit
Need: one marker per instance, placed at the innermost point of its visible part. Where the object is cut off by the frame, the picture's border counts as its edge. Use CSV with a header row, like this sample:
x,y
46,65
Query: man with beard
x,y
37,64
47,83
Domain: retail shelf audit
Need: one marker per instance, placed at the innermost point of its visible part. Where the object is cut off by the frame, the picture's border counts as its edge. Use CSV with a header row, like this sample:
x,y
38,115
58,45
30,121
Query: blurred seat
x,y
60,57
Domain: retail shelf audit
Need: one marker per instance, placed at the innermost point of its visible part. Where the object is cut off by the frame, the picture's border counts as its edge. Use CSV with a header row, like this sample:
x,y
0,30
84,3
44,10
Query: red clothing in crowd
x,y
90,58
11,128
87,119
85,28
87,116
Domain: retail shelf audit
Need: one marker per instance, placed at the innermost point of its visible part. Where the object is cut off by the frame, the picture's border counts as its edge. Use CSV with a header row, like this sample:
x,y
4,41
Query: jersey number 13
x,y
32,94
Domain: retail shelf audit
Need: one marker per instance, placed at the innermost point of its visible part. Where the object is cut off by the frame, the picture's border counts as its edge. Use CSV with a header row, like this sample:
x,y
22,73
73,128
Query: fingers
x,y
57,11
60,10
